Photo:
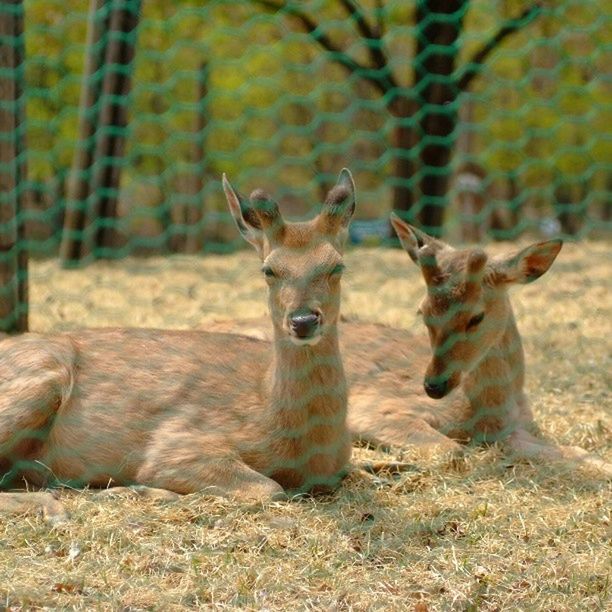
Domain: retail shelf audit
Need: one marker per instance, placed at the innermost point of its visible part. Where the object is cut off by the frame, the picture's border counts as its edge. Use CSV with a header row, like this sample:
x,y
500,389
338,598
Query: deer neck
x,y
494,388
306,382
305,443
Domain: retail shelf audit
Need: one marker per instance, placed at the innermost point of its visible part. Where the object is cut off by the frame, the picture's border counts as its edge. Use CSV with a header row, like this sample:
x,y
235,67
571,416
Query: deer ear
x,y
527,265
248,223
339,207
413,239
263,212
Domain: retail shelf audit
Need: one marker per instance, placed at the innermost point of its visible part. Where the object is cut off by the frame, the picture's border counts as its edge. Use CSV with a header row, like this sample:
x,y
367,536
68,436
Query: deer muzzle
x,y
305,326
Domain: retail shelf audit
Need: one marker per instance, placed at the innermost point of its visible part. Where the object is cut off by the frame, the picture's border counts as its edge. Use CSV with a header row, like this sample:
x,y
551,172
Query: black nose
x,y
437,389
304,324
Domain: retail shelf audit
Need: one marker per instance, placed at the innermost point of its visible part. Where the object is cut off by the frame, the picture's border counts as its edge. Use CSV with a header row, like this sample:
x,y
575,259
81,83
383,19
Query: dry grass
x,y
475,534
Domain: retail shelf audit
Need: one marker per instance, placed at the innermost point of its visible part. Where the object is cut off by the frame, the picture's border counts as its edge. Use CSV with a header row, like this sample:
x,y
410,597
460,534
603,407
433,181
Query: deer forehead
x,y
305,261
453,262
449,298
302,235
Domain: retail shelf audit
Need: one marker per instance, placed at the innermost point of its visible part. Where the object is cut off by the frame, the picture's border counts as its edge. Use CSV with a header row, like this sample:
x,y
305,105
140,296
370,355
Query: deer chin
x,y
305,341
453,383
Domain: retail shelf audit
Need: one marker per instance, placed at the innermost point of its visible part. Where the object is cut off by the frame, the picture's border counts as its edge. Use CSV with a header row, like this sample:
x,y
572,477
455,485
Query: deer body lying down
x,y
191,411
465,383
174,410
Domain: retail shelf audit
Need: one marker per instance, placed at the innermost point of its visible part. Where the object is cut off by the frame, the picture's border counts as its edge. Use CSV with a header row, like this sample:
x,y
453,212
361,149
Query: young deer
x,y
476,362
187,411
466,383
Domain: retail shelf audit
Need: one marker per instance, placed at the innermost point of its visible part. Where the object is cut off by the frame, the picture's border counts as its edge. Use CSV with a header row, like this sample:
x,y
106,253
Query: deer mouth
x,y
436,391
437,387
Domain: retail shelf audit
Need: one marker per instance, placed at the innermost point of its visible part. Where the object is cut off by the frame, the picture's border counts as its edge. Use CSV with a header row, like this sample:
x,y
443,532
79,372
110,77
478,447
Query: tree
x,y
425,110
190,182
13,256
91,212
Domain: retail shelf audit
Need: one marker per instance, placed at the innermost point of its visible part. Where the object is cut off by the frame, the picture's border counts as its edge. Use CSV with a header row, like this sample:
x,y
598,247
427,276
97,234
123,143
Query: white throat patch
x,y
305,341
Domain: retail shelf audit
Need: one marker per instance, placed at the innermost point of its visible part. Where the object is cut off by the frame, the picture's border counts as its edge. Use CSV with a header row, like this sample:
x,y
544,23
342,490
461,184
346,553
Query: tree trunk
x,y
606,206
568,204
78,190
91,207
113,124
13,172
506,219
405,141
469,181
438,26
193,218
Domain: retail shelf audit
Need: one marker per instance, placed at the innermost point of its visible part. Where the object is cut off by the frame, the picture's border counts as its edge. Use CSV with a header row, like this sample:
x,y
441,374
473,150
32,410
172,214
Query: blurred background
x,y
477,120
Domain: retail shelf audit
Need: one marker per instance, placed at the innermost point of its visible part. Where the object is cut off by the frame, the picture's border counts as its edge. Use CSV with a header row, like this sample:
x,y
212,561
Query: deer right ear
x,y
248,223
528,264
338,208
414,239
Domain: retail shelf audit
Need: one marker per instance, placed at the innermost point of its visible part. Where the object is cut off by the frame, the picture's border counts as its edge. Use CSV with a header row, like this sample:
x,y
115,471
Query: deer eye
x,y
337,269
475,321
268,272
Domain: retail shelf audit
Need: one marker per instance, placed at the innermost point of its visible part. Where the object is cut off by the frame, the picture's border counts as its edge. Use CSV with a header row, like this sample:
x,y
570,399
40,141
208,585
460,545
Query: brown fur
x,y
386,367
187,411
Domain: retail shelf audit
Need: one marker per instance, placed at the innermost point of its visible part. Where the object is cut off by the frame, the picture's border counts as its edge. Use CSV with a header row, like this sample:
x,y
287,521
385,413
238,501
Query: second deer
x,y
184,411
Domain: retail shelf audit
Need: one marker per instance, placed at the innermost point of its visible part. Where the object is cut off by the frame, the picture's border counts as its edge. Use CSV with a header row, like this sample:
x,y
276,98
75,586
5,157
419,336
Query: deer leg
x,y
387,425
225,477
524,445
184,460
33,386
38,502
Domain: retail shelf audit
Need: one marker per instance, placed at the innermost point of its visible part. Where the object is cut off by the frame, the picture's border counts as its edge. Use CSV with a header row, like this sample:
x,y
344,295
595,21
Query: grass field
x,y
478,533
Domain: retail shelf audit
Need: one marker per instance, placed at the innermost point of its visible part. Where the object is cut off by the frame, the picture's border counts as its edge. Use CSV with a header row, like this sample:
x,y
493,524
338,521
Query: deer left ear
x,y
413,239
250,226
529,264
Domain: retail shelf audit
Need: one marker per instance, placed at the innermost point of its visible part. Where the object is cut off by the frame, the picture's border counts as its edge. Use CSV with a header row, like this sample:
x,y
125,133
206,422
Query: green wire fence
x,y
476,118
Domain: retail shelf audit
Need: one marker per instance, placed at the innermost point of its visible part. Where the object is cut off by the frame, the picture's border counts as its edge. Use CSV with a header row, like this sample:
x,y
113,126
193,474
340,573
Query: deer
x,y
169,412
461,383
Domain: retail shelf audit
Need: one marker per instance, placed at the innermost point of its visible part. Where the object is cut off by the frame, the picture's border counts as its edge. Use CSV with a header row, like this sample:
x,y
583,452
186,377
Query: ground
x,y
477,533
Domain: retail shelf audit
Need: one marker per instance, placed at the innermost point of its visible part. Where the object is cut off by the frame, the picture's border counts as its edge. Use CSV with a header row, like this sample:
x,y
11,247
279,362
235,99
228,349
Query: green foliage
x,y
280,113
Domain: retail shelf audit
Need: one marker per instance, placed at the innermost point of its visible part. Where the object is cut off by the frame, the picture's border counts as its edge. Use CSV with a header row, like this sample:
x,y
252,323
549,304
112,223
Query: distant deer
x,y
187,411
464,384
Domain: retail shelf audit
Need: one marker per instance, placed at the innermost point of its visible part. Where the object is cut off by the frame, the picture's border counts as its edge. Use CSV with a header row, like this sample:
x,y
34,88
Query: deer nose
x,y
304,323
437,389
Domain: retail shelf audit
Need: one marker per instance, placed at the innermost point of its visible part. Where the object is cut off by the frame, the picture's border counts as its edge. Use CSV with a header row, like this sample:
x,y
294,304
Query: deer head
x,y
302,261
466,309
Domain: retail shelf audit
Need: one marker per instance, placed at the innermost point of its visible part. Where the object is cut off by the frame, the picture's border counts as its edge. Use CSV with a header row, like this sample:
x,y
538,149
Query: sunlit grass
x,y
476,533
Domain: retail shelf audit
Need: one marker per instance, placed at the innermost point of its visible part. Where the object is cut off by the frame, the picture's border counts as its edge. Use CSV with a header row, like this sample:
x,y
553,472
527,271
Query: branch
x,y
356,14
372,39
510,26
380,23
337,54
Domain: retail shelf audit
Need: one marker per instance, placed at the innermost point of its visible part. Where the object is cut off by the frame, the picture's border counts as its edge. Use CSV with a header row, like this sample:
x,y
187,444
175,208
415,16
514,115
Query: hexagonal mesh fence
x,y
473,120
